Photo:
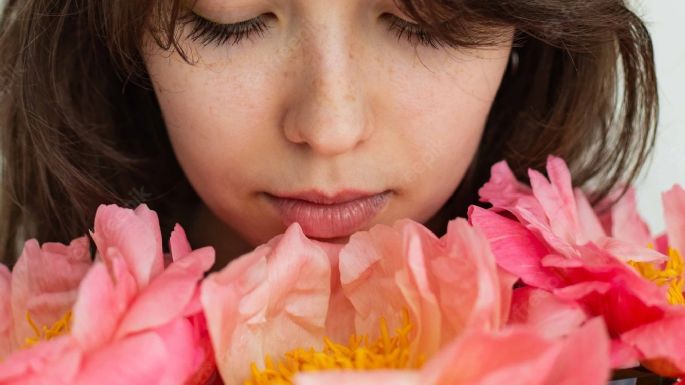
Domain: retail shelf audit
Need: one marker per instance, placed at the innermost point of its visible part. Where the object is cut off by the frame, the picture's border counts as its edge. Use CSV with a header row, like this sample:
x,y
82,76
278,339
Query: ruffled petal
x,y
168,295
136,236
269,301
552,316
674,215
45,282
516,248
660,344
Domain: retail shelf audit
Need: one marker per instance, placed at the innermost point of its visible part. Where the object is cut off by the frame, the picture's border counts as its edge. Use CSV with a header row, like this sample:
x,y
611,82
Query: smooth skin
x,y
326,96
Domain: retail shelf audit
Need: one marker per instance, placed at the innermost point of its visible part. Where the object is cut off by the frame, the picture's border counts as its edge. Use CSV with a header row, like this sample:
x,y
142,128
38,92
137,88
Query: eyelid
x,y
207,31
414,33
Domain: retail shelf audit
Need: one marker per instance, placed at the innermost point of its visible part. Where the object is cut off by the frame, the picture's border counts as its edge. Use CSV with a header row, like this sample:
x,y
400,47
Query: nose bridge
x,y
329,112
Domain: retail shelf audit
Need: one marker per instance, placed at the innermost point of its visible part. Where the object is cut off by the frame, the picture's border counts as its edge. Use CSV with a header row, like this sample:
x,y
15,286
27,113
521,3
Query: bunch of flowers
x,y
539,289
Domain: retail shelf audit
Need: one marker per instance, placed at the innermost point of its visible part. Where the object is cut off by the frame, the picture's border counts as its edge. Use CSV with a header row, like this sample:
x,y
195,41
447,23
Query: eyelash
x,y
207,32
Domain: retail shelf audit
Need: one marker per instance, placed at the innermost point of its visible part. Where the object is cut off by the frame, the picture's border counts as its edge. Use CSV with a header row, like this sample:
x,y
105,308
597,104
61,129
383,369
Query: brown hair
x,y
80,124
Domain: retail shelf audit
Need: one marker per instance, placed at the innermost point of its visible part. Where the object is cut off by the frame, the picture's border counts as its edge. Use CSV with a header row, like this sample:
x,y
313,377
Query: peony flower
x,y
394,305
133,320
556,242
38,295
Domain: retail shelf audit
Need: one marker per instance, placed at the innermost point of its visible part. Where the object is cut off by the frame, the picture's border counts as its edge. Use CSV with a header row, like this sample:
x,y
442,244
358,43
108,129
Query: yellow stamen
x,y
670,275
45,333
387,352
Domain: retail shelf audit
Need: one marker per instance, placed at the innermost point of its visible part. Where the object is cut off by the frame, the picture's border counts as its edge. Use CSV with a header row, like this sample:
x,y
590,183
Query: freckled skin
x,y
327,98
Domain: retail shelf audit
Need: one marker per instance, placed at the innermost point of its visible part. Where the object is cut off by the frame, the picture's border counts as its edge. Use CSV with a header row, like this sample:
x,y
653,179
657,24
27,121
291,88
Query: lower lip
x,y
330,221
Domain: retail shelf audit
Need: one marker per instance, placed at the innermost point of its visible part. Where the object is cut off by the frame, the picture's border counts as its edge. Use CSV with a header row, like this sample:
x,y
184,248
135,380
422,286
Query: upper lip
x,y
319,197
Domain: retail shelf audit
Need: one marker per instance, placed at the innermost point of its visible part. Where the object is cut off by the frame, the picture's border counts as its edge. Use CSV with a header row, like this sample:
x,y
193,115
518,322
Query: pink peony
x,y
556,242
391,299
40,290
134,321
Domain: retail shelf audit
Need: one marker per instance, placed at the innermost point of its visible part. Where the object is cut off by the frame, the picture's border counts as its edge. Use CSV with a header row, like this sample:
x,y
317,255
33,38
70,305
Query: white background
x,y
666,21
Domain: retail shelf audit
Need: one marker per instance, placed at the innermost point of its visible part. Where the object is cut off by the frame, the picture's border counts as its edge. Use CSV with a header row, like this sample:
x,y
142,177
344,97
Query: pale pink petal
x,y
183,356
45,282
206,373
514,356
507,281
5,312
623,355
101,303
557,200
627,224
503,190
420,287
674,215
135,234
385,271
589,223
54,362
368,265
178,243
469,268
630,251
136,360
340,326
550,315
584,358
518,355
516,248
269,301
168,295
660,344
375,377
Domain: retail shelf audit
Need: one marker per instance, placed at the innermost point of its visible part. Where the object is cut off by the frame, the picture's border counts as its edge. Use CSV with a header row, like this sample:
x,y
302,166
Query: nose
x,y
328,110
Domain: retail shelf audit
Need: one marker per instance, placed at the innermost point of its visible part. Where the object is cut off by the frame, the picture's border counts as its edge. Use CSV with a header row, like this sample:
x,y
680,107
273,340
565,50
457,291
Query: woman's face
x,y
329,113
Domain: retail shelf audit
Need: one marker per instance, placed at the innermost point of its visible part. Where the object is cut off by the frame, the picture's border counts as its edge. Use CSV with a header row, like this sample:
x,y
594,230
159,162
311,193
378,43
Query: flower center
x,y
670,275
45,333
386,352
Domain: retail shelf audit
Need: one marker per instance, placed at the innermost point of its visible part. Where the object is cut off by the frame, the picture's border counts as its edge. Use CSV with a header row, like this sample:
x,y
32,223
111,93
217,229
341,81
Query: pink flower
x,y
392,298
40,290
134,322
515,356
558,243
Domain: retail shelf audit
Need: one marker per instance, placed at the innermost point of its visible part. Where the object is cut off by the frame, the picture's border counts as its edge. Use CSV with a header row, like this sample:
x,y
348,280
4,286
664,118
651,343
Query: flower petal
x,y
166,297
178,243
375,377
45,282
519,355
136,360
135,234
626,223
552,316
660,344
516,248
101,303
54,362
674,215
271,300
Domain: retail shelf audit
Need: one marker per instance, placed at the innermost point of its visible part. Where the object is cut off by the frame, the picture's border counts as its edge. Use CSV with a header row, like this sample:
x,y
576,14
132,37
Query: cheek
x,y
443,114
215,120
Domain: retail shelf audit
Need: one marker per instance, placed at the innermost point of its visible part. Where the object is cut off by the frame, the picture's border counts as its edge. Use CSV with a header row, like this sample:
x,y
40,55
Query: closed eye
x,y
207,32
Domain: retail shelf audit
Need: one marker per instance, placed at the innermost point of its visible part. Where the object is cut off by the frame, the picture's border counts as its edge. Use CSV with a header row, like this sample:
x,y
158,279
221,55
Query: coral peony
x,y
557,242
133,321
394,305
